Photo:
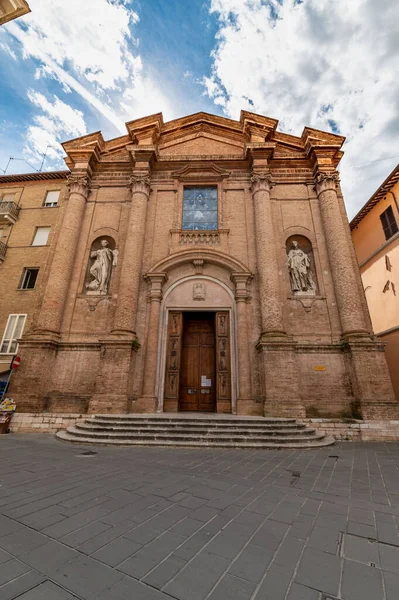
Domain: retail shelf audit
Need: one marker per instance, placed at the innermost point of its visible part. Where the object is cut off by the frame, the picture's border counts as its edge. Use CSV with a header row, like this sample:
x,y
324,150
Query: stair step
x,y
206,419
269,445
192,430
310,435
198,432
194,424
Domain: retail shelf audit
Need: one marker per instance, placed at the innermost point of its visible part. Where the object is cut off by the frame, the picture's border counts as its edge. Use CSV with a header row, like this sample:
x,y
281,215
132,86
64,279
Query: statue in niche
x,y
101,269
300,272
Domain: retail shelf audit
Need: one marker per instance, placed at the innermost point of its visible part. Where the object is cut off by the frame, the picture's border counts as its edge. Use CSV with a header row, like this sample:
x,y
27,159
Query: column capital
x,y
79,183
140,183
156,281
242,281
261,181
326,180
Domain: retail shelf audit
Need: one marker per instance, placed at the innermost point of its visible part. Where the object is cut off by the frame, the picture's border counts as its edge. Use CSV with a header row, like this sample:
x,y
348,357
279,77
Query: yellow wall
x,y
20,253
368,236
383,307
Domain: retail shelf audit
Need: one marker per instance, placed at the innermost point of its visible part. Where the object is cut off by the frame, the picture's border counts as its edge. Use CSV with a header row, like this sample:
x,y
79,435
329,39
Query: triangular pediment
x,y
204,135
198,141
203,170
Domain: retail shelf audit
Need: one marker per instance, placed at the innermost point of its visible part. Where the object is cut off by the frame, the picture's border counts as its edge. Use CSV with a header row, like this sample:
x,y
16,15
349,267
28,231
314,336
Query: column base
x,y
371,382
108,404
145,404
280,378
379,411
249,407
290,409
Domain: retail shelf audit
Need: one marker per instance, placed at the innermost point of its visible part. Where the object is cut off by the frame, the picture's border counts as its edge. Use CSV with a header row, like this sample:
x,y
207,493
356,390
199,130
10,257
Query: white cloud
x,y
328,65
90,49
57,122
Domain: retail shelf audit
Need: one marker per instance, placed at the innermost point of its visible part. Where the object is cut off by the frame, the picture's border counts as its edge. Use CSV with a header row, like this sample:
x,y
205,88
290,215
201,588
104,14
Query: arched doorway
x,y
197,358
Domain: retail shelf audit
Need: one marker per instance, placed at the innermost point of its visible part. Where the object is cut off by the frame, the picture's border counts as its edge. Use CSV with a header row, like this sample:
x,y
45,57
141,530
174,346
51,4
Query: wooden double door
x,y
198,374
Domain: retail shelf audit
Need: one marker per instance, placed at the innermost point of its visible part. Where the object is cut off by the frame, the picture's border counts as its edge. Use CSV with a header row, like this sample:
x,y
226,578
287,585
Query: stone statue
x,y
300,273
105,259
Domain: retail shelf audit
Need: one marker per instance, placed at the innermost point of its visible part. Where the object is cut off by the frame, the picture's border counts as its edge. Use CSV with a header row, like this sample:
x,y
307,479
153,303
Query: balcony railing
x,y
185,239
9,212
3,250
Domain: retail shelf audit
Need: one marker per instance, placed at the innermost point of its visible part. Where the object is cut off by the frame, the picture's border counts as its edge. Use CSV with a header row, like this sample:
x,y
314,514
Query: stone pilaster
x,y
148,402
267,267
353,321
245,402
126,310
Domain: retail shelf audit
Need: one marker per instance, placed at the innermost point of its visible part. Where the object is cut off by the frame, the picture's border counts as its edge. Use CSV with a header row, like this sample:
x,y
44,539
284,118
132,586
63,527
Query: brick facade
x,y
290,354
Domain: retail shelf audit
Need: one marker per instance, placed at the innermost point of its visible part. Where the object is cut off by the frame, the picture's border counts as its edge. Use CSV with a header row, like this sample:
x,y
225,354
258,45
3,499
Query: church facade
x,y
203,264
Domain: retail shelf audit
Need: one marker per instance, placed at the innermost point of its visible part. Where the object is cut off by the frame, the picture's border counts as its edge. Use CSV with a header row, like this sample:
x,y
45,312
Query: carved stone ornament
x,y
78,184
326,180
140,183
93,302
198,265
101,269
199,291
301,277
261,181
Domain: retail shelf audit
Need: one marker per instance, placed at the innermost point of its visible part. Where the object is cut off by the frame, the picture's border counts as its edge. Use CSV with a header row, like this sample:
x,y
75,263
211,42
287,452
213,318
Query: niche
x,y
102,258
301,267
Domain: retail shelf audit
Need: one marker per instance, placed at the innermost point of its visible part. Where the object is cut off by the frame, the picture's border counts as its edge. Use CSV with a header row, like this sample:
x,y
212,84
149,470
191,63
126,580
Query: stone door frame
x,y
163,337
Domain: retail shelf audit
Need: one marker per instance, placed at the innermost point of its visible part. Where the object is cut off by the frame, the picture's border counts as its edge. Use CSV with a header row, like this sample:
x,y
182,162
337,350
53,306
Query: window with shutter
x,y
29,277
13,332
41,236
51,198
388,222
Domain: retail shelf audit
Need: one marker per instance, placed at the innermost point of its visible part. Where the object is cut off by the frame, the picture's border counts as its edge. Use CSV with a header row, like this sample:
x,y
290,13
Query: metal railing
x,y
9,211
3,250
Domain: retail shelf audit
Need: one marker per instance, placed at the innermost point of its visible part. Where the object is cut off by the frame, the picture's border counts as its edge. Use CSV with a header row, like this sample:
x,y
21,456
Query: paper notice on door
x,y
205,382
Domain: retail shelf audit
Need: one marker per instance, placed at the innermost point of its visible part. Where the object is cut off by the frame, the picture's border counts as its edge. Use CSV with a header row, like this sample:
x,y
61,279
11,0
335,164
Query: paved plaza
x,y
193,524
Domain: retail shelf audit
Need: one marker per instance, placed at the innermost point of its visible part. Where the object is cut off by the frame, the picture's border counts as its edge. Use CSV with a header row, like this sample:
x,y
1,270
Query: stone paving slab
x,y
197,524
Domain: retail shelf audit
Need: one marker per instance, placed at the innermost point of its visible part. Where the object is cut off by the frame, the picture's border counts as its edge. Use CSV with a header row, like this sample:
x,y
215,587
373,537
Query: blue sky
x,y
70,68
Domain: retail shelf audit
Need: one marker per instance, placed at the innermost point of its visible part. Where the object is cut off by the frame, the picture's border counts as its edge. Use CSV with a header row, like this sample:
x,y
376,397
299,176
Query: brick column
x,y
148,402
126,310
56,292
269,287
353,321
245,402
277,349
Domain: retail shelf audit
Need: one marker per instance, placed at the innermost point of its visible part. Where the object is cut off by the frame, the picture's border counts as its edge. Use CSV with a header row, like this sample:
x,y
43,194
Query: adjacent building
x,y
375,234
201,264
12,9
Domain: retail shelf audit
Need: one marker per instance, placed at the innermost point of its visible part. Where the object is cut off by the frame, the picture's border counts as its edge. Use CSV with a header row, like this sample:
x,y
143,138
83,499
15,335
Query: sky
x,y
71,68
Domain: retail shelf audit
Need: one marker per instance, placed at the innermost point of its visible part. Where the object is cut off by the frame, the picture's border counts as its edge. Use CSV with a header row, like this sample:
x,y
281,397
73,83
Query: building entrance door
x,y
198,365
197,374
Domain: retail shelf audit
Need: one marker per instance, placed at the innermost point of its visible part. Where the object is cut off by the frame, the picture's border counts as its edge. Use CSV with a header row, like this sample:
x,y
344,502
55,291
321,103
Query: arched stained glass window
x,y
200,208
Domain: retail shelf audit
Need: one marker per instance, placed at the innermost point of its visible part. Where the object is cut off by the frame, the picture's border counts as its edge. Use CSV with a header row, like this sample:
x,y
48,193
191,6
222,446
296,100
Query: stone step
x,y
193,430
269,445
193,426
193,419
193,423
170,436
199,431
